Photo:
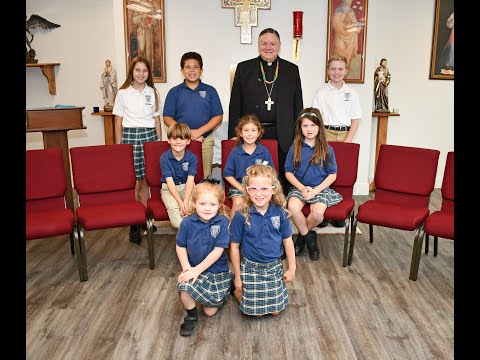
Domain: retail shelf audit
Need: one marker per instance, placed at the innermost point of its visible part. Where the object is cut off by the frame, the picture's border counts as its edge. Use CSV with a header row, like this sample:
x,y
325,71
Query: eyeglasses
x,y
252,190
210,180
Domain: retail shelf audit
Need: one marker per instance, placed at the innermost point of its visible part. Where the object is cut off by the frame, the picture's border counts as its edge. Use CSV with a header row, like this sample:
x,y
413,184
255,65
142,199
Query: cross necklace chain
x,y
269,101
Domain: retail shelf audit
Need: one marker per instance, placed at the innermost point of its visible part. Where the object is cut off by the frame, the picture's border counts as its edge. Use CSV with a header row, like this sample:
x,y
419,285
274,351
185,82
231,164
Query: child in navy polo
x,y
179,167
201,242
247,151
196,104
263,230
311,168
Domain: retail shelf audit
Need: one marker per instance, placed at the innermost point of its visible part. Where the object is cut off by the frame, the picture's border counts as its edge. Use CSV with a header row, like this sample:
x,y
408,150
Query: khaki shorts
x,y
171,204
335,135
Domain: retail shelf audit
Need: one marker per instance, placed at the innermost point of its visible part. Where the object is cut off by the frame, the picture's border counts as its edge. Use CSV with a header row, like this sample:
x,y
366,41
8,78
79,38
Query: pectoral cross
x,y
269,103
246,14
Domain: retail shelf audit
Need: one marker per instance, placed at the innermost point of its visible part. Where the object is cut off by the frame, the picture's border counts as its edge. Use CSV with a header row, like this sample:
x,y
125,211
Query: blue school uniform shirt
x,y
193,107
315,172
179,170
239,160
200,238
262,240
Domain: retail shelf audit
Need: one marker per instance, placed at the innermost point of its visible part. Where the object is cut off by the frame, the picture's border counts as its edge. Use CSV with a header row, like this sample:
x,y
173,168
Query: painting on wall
x,y
442,66
145,34
347,34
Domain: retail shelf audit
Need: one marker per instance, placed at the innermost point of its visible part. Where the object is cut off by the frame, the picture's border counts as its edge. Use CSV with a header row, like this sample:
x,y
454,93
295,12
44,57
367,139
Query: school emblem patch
x,y
275,222
185,166
258,161
347,96
148,99
214,230
203,93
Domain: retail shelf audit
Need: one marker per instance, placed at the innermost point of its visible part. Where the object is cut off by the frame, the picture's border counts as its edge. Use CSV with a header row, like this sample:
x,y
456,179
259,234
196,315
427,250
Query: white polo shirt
x,y
137,108
337,106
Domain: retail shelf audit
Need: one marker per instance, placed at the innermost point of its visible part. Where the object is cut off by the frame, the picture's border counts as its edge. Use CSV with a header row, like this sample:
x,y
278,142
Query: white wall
x,y
92,31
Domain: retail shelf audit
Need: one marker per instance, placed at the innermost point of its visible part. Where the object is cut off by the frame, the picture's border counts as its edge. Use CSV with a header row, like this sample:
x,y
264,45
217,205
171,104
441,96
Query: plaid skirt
x,y
210,290
328,196
264,289
137,136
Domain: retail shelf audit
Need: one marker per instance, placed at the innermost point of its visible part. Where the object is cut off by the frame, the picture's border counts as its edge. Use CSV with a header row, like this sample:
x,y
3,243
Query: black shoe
x,y
188,325
338,223
323,224
299,245
143,227
134,236
311,241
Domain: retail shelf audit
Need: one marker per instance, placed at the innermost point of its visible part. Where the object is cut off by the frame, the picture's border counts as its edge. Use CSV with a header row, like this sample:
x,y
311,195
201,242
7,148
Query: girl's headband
x,y
308,114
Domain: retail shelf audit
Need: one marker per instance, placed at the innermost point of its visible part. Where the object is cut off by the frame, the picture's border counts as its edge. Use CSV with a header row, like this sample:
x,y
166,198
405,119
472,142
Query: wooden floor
x,y
369,310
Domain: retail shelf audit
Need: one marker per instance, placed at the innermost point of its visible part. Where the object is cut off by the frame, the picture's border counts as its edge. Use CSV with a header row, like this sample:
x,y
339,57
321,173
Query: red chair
x,y
441,223
228,145
153,175
46,212
104,179
404,180
346,155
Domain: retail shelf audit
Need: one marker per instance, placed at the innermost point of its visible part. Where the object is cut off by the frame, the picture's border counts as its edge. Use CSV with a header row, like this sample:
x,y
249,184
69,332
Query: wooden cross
x,y
246,13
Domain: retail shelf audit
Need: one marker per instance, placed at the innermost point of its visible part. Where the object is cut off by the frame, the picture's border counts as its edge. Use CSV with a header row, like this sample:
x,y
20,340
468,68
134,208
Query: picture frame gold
x,y
347,35
442,65
145,34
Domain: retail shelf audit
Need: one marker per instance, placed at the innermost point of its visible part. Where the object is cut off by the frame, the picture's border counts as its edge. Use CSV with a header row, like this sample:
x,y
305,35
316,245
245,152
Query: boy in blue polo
x,y
196,104
179,167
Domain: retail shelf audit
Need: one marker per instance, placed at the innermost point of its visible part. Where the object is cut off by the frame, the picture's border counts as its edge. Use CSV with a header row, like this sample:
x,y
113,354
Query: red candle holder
x,y
297,24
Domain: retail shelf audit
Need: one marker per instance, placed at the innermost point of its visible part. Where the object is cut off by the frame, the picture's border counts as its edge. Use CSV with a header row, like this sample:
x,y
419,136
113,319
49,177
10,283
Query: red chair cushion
x,y
42,183
157,209
47,223
448,178
441,224
398,166
111,215
392,216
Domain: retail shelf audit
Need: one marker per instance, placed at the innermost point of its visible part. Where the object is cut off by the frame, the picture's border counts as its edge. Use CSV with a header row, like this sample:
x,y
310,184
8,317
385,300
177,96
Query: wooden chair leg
x,y
151,248
352,240
435,245
427,240
417,252
370,228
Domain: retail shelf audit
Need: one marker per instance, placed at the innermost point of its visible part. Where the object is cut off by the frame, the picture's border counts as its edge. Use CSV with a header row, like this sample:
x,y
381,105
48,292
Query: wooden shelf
x,y
48,71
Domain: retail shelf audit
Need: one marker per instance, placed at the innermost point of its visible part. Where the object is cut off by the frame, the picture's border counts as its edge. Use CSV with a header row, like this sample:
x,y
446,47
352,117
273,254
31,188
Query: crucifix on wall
x,y
246,13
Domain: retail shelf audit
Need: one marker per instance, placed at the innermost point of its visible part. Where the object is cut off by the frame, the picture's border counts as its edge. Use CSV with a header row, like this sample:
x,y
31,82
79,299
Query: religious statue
x,y
382,79
35,22
108,85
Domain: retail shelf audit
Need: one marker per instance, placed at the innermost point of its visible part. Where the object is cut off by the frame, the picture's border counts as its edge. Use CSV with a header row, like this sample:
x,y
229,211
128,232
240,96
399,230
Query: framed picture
x,y
347,34
441,66
145,34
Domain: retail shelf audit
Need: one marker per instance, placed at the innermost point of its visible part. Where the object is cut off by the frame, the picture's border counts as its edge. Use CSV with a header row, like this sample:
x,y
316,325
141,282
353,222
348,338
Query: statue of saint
x,y
108,86
382,79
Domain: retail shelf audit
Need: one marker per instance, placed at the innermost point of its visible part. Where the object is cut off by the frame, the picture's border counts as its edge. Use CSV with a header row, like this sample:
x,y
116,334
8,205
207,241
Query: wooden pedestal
x,y
54,124
108,126
382,128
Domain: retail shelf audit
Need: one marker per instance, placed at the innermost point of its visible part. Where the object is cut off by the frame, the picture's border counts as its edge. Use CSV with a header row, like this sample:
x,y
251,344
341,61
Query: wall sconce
x,y
297,33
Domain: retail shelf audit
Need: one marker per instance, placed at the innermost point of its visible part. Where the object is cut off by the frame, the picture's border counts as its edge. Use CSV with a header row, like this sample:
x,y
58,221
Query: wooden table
x,y
108,126
382,128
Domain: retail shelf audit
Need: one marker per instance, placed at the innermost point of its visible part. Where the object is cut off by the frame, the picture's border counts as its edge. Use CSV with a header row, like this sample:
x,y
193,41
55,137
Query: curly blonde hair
x,y
278,198
216,189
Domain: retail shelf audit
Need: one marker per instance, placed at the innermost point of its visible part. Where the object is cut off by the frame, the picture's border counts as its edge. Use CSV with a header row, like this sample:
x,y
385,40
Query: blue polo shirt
x,y
179,170
316,173
239,160
193,107
201,238
262,241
